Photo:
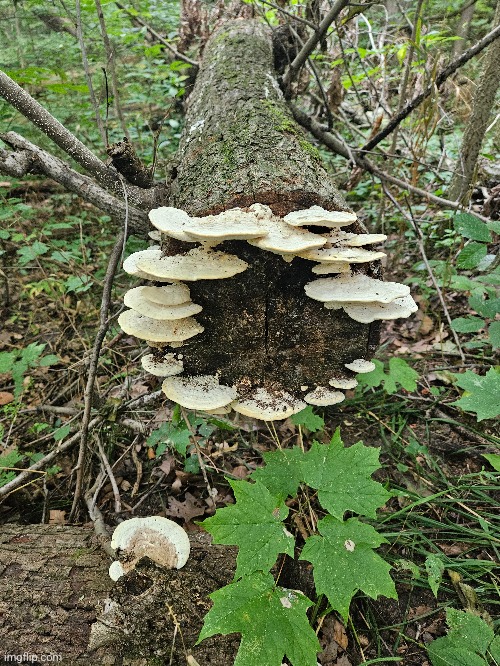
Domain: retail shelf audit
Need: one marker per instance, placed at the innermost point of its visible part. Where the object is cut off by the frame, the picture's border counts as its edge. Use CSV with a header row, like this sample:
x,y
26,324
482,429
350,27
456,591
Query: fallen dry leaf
x,y
339,635
240,472
187,509
5,398
57,517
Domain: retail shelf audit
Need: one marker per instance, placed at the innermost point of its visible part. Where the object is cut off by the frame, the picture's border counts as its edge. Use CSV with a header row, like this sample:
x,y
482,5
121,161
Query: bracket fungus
x,y
203,392
160,539
158,330
269,406
163,315
360,366
197,264
317,216
322,397
166,366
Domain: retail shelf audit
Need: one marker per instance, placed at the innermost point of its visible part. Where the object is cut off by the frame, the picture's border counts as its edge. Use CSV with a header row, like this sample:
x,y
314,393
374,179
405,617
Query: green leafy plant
x,y
398,372
474,256
177,435
342,551
481,394
470,642
17,363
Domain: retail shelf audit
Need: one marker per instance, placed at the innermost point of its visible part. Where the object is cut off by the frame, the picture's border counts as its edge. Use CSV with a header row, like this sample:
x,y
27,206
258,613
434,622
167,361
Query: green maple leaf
x,y
482,393
342,477
254,524
308,419
272,622
282,473
344,562
467,642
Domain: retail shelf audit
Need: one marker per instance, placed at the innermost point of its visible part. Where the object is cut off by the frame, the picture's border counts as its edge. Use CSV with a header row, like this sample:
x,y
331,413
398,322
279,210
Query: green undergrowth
x,y
273,620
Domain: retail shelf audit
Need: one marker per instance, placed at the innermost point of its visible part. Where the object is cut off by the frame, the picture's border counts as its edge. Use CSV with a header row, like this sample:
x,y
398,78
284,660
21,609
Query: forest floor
x,y
52,266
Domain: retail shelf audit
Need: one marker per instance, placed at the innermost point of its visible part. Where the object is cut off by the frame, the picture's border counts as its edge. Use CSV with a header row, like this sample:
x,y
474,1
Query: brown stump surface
x,y
240,146
54,586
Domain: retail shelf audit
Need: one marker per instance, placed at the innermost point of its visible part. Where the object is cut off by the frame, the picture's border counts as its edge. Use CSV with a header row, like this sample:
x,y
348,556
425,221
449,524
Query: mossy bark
x,y
240,146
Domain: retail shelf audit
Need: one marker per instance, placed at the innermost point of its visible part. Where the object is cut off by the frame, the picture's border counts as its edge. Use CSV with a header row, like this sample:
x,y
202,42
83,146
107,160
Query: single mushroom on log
x,y
251,209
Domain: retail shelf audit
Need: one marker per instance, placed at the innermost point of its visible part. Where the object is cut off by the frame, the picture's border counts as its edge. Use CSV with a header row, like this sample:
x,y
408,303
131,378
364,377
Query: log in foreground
x,y
55,599
244,166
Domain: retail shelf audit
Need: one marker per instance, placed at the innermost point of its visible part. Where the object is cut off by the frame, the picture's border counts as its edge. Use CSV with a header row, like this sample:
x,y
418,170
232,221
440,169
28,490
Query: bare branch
x,y
313,41
110,59
86,68
32,159
342,149
440,79
35,112
114,260
159,38
56,23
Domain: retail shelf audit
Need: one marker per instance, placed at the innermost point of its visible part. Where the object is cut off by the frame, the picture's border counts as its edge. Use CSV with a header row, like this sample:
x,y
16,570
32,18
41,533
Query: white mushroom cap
x,y
281,238
203,392
160,539
154,235
352,255
157,330
322,397
269,407
368,312
233,224
357,288
338,237
166,367
116,570
130,263
197,264
365,239
261,211
315,215
135,299
171,294
219,411
331,267
360,365
343,383
171,221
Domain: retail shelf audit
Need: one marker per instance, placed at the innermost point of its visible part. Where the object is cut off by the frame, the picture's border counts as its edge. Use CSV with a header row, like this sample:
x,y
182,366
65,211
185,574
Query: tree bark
x,y
56,598
240,146
482,104
463,28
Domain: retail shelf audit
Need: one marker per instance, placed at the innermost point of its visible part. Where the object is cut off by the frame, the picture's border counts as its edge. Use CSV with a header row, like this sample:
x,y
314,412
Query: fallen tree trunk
x,y
241,146
56,598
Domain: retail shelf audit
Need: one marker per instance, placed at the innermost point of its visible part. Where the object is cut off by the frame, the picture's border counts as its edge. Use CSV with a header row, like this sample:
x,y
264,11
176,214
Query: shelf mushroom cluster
x,y
164,315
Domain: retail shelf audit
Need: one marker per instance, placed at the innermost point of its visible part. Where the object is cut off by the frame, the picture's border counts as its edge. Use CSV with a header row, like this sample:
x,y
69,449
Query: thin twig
x,y
408,68
94,361
432,87
341,148
110,59
299,19
420,242
86,68
312,42
111,476
198,452
46,460
96,516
